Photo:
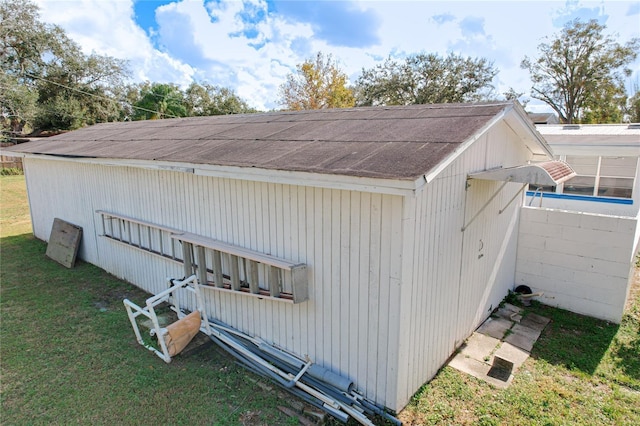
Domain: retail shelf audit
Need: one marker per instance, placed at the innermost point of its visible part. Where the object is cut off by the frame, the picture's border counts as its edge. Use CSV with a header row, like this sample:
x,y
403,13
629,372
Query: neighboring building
x,y
579,245
543,118
605,157
373,240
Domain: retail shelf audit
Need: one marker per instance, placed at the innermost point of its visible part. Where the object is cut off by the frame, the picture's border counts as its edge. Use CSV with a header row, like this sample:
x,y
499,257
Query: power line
x,y
101,97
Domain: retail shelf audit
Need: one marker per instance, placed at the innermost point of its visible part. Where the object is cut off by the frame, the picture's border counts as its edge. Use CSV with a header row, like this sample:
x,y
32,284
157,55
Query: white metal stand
x,y
134,311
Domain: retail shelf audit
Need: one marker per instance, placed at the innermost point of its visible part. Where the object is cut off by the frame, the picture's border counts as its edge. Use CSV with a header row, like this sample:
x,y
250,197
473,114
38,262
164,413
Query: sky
x,y
251,46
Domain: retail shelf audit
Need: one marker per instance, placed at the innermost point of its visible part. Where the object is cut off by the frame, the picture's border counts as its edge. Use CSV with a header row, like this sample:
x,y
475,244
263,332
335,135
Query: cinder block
x,y
584,306
557,272
532,214
565,260
548,230
597,280
526,265
596,236
534,281
533,241
564,218
599,222
615,269
627,225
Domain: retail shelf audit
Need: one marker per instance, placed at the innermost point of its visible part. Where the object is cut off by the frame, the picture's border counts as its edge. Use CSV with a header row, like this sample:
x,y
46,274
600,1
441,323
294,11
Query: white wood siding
x,y
395,285
456,277
351,242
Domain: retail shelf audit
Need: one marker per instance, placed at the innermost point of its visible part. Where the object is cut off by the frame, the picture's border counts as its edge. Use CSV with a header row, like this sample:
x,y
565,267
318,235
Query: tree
x,y
317,83
426,78
581,71
79,90
633,108
159,100
17,104
205,99
59,86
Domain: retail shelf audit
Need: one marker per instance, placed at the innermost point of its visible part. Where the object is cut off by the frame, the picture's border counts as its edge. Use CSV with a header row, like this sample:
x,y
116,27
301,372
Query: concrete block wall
x,y
582,262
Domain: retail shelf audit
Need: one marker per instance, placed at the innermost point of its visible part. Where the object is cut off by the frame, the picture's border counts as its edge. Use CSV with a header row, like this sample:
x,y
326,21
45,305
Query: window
x,y
597,176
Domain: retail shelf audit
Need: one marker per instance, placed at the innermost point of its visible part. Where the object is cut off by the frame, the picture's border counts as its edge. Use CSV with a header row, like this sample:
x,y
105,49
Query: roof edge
x,y
443,164
388,186
522,125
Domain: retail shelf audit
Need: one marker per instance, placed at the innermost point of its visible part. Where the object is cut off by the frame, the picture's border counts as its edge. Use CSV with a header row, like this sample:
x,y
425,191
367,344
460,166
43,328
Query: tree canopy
x,y
633,108
47,82
206,99
580,73
426,78
317,83
158,100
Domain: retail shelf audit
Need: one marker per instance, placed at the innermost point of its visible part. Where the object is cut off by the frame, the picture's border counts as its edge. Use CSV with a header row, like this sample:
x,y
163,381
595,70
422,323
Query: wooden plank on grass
x,y
64,242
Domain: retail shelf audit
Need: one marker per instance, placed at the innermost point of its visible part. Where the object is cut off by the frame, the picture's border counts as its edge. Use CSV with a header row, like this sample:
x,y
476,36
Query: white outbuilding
x,y
374,240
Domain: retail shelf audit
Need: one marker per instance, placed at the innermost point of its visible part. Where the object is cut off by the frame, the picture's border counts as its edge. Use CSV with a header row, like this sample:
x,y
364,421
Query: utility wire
x,y
102,97
46,107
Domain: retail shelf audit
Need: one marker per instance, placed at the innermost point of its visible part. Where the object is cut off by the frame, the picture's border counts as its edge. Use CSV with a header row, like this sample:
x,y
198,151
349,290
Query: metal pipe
x,y
325,402
512,198
485,205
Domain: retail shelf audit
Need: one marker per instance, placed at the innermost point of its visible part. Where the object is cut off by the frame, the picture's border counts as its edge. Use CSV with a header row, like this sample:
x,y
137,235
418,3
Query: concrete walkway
x,y
496,350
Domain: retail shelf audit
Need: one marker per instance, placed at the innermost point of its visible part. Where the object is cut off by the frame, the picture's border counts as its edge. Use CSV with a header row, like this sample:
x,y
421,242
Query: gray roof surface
x,y
591,134
381,142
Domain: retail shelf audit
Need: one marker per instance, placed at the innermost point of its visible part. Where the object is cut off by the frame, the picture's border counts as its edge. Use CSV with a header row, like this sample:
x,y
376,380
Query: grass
x,y
582,371
68,356
14,208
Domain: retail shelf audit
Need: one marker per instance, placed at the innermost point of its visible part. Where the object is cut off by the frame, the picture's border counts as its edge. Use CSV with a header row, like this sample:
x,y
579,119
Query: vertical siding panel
x,y
354,286
312,252
335,283
327,259
365,292
397,304
284,243
382,310
374,294
243,304
344,295
292,250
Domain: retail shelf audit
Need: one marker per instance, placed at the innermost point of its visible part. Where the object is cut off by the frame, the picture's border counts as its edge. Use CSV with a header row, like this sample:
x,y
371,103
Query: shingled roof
x,y
380,142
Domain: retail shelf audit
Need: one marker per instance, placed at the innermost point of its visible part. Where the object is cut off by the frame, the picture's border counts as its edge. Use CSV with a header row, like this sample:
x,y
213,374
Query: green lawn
x,y
68,356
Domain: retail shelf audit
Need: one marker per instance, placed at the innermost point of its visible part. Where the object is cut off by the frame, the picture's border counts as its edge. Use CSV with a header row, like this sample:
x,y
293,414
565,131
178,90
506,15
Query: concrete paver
x,y
510,336
495,327
477,369
513,354
480,346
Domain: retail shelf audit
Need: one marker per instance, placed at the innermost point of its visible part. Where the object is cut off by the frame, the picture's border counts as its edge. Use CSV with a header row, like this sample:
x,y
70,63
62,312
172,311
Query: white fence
x,y
582,262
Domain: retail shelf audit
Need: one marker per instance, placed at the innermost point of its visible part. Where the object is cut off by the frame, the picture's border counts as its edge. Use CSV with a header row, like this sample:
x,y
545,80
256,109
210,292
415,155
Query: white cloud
x,y
241,45
108,28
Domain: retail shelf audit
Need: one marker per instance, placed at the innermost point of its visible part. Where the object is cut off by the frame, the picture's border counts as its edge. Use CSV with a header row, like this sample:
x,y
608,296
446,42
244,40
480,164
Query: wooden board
x,y
64,242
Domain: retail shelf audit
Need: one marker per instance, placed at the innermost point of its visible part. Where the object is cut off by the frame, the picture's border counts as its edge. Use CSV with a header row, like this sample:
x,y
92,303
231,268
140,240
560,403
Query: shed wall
x,y
457,277
581,262
350,240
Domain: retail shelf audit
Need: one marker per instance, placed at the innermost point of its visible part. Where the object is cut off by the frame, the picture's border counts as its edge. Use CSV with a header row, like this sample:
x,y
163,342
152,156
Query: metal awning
x,y
545,173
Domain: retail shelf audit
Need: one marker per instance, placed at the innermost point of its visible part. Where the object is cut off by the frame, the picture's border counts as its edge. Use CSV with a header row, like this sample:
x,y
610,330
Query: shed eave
x,y
518,120
332,181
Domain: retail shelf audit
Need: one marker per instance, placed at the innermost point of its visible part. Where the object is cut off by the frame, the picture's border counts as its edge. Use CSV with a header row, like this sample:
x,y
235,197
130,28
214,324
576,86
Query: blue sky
x,y
251,46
